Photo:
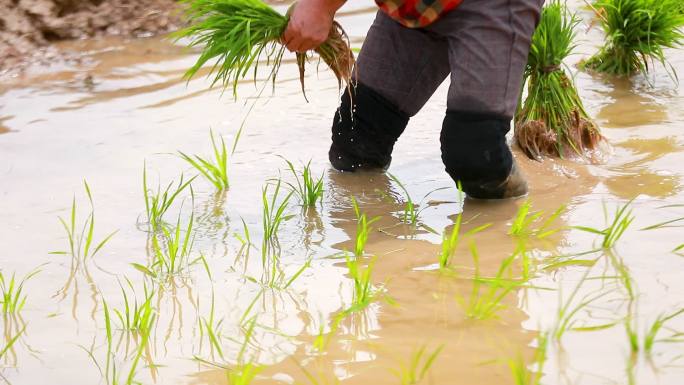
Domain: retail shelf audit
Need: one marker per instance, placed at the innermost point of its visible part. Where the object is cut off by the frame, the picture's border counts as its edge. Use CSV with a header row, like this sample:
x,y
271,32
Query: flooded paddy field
x,y
524,295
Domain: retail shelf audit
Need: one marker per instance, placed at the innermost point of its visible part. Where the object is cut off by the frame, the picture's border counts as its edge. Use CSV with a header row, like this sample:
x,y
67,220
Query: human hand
x,y
310,24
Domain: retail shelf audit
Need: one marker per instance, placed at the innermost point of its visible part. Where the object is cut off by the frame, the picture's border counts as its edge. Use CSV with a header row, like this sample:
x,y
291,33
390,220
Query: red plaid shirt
x,y
416,13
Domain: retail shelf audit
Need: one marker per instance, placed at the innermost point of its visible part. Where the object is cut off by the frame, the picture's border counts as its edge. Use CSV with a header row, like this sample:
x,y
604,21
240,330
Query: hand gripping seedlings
x,y
637,34
552,119
239,33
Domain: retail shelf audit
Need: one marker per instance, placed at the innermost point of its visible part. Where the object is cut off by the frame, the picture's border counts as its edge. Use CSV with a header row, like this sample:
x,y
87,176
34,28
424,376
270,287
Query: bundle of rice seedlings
x,y
637,33
240,33
552,119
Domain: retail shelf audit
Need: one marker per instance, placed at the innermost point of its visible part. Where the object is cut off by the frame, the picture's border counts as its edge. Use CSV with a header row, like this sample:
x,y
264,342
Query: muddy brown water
x,y
127,106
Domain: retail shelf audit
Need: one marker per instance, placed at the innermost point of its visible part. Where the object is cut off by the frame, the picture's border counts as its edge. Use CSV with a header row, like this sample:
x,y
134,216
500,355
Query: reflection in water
x,y
3,128
637,175
630,107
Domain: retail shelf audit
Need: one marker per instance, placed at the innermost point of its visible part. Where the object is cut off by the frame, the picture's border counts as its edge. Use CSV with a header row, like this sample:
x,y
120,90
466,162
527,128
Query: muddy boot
x,y
364,140
475,153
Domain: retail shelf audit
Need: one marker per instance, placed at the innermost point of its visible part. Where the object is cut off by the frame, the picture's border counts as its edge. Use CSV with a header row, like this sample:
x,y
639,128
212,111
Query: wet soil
x,y
29,27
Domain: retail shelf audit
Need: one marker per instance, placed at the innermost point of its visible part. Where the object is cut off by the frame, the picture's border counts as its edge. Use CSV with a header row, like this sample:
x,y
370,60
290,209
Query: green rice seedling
x,y
216,170
273,214
414,371
522,375
678,248
410,212
308,188
111,373
363,229
134,316
158,202
364,292
621,221
238,33
552,119
13,298
451,241
524,220
82,244
171,251
487,294
637,34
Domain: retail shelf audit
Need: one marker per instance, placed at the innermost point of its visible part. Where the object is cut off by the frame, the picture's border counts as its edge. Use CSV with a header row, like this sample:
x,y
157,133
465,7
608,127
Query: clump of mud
x,y
28,27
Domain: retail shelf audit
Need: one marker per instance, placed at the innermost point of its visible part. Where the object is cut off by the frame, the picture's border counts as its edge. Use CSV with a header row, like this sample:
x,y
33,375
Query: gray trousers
x,y
483,44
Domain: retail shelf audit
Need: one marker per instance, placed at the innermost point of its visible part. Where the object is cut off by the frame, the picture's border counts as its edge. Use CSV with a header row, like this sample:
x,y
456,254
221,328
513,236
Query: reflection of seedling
x,y
450,241
10,342
522,375
623,218
157,203
212,328
81,243
216,171
363,229
244,371
524,219
485,303
308,189
569,308
414,371
12,290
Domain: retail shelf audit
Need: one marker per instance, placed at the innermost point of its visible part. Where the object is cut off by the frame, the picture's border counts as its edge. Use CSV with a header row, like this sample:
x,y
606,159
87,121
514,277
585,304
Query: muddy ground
x,y
28,27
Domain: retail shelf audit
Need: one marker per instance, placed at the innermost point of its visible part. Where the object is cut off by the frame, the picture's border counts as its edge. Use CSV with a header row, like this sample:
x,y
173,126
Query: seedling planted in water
x,y
621,221
81,242
273,215
216,170
363,229
308,188
450,241
171,250
158,202
524,220
410,212
12,290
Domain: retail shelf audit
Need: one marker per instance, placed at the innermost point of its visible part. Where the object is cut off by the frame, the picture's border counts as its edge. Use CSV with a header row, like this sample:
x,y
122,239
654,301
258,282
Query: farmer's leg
x,y
398,70
489,42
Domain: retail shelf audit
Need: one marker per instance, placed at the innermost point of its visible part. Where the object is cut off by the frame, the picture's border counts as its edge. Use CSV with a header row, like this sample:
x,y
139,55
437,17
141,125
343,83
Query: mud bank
x,y
28,27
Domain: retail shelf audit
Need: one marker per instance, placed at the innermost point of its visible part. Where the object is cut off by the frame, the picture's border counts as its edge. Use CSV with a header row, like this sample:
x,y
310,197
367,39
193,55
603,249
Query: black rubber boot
x,y
475,153
364,140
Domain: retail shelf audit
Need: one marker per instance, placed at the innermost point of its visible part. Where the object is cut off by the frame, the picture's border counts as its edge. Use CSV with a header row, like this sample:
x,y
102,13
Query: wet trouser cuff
x,y
363,134
475,152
